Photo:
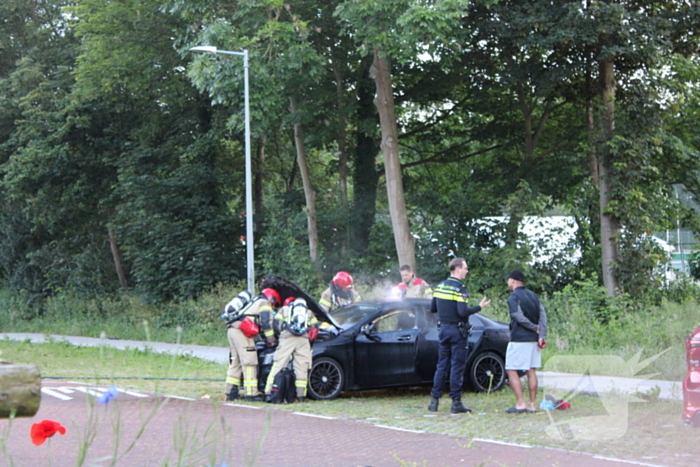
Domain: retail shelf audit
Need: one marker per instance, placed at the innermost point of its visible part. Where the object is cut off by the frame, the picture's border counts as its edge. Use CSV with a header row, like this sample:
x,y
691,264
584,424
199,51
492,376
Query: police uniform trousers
x,y
244,362
452,359
290,346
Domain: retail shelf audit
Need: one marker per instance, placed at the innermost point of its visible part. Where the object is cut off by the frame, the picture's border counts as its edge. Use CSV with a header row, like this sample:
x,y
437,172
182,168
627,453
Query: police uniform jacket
x,y
450,302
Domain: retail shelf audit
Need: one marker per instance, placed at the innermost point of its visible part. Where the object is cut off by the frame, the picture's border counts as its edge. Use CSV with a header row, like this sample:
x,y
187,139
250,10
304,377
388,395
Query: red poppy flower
x,y
45,429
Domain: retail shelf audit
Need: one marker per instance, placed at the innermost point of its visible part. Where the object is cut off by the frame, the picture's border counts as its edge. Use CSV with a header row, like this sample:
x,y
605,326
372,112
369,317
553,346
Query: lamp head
x,y
204,48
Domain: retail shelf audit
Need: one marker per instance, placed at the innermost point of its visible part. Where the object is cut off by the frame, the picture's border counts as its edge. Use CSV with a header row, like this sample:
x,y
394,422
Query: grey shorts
x,y
523,356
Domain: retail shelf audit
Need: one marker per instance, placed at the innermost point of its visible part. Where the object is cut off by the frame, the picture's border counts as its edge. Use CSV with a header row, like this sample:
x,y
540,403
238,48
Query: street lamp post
x,y
248,170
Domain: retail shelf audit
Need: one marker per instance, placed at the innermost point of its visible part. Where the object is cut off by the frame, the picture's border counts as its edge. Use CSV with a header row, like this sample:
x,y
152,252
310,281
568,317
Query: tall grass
x,y
120,317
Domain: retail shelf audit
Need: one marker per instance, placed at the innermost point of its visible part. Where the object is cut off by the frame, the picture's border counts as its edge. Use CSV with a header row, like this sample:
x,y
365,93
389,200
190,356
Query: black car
x,y
392,343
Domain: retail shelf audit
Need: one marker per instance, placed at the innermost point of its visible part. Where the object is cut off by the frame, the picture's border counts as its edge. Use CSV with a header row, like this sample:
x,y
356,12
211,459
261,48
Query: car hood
x,y
289,289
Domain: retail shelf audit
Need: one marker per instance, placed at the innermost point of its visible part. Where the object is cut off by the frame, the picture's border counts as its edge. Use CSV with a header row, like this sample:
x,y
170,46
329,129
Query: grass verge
x,y
134,369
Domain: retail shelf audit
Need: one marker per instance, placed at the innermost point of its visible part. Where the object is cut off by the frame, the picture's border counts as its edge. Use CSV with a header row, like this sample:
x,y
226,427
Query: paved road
x,y
205,433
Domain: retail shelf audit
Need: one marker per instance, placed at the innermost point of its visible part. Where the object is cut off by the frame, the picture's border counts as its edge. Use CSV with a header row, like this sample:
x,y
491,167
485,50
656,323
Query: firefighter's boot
x,y
233,394
257,398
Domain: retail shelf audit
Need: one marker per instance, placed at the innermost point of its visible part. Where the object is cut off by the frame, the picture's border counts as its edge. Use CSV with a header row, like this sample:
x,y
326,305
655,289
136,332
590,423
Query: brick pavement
x,y
204,433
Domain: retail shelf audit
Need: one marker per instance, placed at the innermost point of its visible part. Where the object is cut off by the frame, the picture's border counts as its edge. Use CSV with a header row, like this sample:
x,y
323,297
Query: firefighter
x,y
412,286
244,356
298,322
340,292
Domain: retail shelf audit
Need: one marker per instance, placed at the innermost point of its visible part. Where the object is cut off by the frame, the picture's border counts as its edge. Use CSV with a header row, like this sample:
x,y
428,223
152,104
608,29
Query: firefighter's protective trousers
x,y
299,348
244,362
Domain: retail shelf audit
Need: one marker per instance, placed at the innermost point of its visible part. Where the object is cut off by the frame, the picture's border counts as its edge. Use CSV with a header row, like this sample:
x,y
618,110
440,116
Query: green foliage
x,y
121,316
125,148
682,290
584,319
284,250
694,263
104,129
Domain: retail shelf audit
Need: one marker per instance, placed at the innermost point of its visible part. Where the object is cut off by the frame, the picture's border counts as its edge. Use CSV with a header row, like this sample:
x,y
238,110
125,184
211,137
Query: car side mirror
x,y
367,331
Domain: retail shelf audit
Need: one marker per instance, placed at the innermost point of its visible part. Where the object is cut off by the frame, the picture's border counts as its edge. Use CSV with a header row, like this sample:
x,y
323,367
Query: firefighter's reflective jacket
x,y
262,313
415,288
333,299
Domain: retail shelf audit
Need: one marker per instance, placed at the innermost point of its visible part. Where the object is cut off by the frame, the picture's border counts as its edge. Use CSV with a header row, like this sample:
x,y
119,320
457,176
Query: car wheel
x,y
326,379
487,373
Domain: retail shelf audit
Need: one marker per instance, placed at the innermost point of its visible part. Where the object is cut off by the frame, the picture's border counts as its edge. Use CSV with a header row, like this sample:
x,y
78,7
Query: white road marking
x,y
399,429
132,393
611,459
58,392
313,415
58,395
244,406
504,443
625,461
90,391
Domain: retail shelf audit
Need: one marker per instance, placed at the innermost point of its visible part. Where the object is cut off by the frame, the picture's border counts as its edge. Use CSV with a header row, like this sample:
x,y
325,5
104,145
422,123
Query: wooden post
x,y
20,389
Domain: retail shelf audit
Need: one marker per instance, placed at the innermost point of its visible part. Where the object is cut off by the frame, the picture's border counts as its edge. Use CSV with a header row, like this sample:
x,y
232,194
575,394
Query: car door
x,y
476,335
427,350
385,351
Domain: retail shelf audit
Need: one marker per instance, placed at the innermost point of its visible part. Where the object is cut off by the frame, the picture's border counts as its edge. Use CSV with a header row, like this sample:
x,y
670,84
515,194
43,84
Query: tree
x,y
619,51
396,30
590,58
119,170
169,205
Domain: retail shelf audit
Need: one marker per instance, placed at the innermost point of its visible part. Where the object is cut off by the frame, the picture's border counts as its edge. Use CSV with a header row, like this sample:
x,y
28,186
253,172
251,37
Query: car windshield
x,y
349,315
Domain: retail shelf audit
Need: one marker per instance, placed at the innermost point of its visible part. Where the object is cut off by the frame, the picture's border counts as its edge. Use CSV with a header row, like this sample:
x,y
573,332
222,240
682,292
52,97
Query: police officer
x,y
412,286
450,303
340,292
244,355
297,321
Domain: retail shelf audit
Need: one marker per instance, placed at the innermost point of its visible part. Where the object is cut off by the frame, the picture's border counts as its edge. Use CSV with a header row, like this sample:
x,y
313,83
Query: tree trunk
x,y
117,258
384,100
526,109
365,173
306,181
20,390
609,225
592,156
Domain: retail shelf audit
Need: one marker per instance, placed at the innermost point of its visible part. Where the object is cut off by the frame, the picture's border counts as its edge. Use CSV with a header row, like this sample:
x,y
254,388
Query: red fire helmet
x,y
343,279
272,296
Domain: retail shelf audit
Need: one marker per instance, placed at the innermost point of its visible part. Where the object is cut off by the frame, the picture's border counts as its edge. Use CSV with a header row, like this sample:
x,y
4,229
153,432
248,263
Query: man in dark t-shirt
x,y
528,328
